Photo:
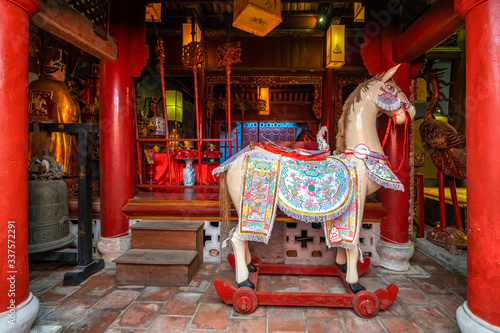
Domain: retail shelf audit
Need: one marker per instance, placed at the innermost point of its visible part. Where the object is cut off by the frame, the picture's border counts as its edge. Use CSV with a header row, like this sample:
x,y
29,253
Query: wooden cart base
x,y
245,300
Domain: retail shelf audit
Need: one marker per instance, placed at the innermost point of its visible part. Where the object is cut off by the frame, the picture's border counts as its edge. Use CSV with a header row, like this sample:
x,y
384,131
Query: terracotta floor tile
x,y
124,330
57,294
420,257
182,304
71,309
430,286
224,266
207,269
138,315
43,311
398,325
211,296
432,267
321,313
432,318
286,319
323,326
108,274
95,321
394,310
247,326
155,294
169,325
117,299
335,285
263,283
355,324
372,284
461,292
412,295
369,274
312,284
96,288
450,279
448,303
42,284
282,280
398,280
212,316
198,284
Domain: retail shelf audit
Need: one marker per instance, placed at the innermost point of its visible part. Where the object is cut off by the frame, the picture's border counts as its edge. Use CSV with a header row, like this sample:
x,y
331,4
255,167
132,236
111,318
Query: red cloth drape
x,y
162,172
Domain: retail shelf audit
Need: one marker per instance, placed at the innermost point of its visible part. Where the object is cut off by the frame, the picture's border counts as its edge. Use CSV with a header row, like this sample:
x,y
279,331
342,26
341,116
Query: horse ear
x,y
390,73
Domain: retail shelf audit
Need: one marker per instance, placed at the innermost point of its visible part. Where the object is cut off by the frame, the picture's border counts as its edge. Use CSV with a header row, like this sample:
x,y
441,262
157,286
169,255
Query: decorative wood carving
x,y
274,81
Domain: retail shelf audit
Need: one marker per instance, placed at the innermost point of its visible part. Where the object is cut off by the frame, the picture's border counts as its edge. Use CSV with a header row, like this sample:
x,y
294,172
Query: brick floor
x,y
426,303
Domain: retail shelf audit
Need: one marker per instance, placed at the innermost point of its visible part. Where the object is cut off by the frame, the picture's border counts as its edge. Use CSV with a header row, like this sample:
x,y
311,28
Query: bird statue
x,y
446,148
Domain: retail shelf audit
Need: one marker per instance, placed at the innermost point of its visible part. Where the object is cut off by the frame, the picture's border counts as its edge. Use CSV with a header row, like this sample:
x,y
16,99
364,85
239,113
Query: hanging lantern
x,y
264,95
335,46
153,12
187,33
174,104
257,17
359,12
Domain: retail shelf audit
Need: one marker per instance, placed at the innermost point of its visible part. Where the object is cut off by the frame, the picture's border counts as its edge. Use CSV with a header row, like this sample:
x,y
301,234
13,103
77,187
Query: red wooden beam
x,y
437,24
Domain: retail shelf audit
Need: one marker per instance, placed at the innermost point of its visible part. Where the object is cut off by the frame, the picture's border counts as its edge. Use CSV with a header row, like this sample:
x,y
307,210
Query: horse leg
x,y
240,249
352,270
347,261
248,259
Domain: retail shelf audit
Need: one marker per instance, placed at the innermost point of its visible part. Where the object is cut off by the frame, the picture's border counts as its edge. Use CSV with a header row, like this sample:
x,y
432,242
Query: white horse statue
x,y
314,187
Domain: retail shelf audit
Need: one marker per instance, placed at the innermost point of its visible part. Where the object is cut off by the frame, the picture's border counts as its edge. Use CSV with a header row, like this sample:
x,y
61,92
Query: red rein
x,y
387,135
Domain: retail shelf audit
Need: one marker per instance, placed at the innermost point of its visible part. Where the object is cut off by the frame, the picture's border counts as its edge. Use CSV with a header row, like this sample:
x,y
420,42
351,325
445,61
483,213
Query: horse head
x,y
389,98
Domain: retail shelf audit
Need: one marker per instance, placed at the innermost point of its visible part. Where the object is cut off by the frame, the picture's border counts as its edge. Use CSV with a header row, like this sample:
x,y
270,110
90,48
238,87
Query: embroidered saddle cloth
x,y
258,197
315,191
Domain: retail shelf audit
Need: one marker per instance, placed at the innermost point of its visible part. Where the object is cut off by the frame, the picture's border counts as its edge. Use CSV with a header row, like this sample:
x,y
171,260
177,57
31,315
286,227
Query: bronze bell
x,y
48,214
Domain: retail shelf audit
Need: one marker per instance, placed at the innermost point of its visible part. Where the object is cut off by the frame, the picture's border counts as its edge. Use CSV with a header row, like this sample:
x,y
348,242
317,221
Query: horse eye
x,y
391,88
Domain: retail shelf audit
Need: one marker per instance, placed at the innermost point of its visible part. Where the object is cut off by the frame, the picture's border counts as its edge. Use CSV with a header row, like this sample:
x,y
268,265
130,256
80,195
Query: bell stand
x,y
364,303
86,264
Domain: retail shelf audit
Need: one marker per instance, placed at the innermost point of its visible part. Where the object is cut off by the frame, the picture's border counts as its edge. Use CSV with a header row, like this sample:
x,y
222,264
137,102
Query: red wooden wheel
x,y
365,304
245,300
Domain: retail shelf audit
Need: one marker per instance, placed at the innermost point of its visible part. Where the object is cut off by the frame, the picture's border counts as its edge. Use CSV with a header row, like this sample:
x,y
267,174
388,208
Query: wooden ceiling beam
x,y
71,26
437,24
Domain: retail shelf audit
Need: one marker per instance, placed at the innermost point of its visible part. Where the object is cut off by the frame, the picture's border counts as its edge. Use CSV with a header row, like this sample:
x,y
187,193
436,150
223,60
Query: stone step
x,y
173,268
168,235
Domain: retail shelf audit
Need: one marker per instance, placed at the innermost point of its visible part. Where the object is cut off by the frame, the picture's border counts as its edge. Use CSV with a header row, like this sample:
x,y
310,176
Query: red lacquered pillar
x,y
481,313
117,134
18,307
116,127
394,248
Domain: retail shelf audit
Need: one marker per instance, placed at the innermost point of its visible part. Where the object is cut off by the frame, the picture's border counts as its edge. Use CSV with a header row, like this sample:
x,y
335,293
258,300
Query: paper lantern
x,y
187,37
264,95
335,46
153,12
359,12
174,103
257,17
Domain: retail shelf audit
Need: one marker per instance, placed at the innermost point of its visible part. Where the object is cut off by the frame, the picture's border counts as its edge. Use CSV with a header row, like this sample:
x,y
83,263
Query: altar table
x,y
162,172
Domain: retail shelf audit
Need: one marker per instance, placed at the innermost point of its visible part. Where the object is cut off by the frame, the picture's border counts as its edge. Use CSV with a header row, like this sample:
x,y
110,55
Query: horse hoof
x,y
356,287
342,268
246,283
251,268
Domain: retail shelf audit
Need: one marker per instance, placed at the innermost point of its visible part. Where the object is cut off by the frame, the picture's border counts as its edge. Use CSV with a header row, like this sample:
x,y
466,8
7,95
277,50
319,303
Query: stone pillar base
x,y
112,248
470,323
395,257
21,318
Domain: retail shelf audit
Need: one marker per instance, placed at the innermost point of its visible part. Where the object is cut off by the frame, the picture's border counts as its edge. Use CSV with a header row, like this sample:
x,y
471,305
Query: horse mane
x,y
348,107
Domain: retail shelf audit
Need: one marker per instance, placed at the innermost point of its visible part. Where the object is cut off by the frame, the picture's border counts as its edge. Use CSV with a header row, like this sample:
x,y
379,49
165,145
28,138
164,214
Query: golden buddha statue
x,y
50,101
